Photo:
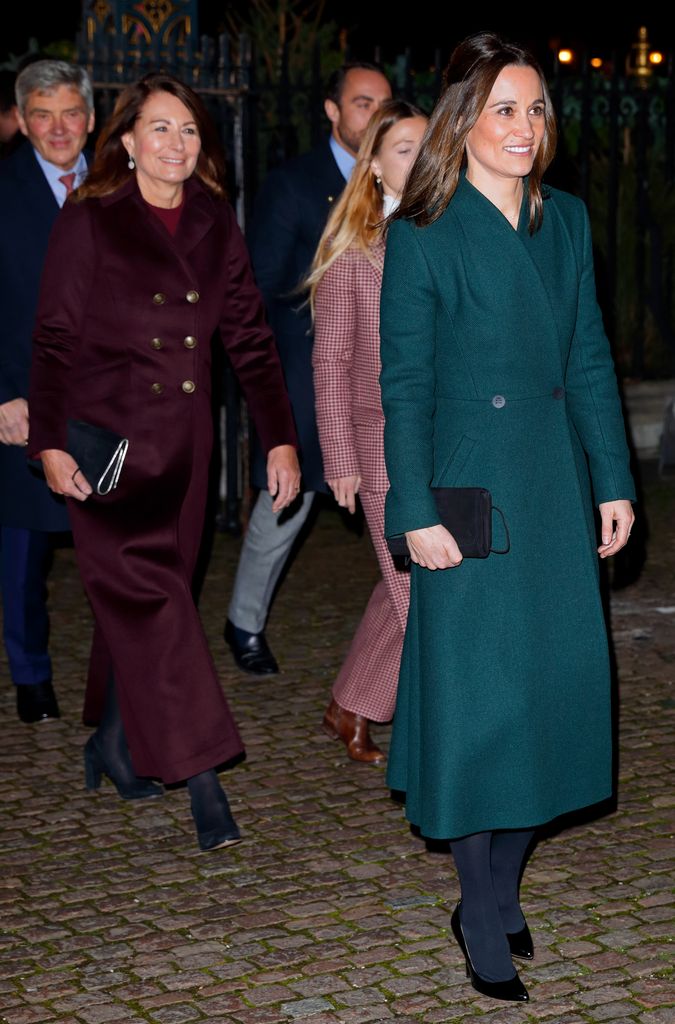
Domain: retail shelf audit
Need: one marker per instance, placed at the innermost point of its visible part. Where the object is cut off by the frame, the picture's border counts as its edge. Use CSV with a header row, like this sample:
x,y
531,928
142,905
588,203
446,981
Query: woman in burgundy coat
x,y
345,282
143,267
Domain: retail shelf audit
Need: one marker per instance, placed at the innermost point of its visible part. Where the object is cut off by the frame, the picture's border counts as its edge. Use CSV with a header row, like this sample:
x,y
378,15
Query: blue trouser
x,y
24,563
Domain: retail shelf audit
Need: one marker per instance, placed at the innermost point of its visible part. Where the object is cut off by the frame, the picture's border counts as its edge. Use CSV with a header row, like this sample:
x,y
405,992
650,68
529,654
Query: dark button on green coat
x,y
496,372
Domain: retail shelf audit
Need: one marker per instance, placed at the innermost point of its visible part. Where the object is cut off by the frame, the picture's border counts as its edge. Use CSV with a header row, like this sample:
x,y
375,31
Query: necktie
x,y
68,181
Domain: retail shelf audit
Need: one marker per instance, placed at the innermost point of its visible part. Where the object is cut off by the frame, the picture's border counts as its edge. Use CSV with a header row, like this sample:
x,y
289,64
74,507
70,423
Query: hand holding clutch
x,y
464,530
433,547
63,475
99,454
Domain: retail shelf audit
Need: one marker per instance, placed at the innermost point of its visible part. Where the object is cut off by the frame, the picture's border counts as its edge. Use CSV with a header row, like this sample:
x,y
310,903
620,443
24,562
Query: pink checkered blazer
x,y
346,363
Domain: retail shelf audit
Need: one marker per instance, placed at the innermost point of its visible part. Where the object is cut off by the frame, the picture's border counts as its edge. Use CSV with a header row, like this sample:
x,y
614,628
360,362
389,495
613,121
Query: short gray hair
x,y
44,76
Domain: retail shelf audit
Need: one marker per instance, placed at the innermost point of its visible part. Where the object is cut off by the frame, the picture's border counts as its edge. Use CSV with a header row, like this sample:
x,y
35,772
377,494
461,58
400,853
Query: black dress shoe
x,y
250,651
36,703
520,944
512,989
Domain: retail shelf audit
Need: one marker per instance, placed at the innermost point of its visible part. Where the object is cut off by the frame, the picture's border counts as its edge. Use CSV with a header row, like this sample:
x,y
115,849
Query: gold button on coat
x,y
156,343
192,296
188,386
190,342
157,389
159,298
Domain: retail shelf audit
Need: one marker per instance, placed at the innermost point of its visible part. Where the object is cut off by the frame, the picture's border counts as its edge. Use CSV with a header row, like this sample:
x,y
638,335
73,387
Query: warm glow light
x,y
565,56
655,57
596,62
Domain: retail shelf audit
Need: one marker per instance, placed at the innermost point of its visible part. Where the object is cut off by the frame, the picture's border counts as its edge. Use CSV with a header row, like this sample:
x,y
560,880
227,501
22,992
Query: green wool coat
x,y
496,373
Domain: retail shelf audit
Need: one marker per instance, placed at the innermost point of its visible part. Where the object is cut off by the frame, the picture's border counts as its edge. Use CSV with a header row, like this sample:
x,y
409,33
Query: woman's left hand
x,y
63,474
283,475
617,521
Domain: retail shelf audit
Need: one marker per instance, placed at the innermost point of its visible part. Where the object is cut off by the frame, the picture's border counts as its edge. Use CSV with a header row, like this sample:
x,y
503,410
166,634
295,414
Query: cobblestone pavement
x,y
330,911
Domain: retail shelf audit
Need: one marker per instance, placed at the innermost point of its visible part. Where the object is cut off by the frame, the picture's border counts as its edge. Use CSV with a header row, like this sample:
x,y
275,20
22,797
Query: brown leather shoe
x,y
353,730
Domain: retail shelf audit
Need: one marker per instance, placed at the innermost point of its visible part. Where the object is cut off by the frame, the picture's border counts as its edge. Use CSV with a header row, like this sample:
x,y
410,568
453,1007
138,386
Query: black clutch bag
x,y
467,513
99,453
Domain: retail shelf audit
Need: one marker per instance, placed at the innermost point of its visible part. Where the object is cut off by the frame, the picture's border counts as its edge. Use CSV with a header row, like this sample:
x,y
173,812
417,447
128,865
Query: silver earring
x,y
378,180
131,163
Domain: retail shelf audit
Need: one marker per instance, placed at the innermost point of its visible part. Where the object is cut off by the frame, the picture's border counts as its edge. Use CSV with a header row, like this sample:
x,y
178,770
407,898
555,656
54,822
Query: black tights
x,y
489,867
111,740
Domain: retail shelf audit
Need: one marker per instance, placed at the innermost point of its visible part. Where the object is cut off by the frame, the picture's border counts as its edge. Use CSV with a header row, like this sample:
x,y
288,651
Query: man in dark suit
x,y
56,113
290,215
10,135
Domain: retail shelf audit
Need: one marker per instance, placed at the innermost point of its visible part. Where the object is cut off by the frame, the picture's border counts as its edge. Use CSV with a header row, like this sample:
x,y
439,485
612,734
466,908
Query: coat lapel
x,y
196,220
495,253
197,217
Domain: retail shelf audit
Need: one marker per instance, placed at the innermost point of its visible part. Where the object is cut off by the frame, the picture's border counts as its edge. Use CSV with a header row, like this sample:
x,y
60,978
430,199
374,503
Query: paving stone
x,y
615,1011
176,1014
28,1015
325,984
365,1015
305,1007
659,1016
102,1013
652,992
412,984
265,994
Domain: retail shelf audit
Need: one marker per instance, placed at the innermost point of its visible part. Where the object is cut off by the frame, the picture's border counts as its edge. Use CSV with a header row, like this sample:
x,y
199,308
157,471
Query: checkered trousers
x,y
368,679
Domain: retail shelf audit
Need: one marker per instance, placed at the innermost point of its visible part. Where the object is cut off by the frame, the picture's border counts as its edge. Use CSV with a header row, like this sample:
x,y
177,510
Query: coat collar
x,y
467,195
197,218
505,256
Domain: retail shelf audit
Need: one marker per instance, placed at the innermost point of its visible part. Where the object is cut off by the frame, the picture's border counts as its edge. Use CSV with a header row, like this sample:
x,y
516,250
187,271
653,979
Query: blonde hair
x,y
356,219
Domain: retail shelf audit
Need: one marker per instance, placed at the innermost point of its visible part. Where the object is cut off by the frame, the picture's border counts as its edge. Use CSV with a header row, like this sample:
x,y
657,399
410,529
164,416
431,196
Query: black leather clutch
x,y
99,453
467,513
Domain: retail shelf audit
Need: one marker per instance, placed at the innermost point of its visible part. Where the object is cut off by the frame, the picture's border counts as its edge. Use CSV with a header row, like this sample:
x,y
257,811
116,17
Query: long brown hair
x,y
471,72
356,219
110,169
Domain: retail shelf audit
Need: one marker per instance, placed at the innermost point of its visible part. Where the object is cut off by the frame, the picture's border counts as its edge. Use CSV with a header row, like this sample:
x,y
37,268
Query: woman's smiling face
x,y
504,141
165,142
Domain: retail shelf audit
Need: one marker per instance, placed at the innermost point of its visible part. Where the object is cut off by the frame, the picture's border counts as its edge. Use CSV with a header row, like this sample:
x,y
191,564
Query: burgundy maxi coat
x,y
122,340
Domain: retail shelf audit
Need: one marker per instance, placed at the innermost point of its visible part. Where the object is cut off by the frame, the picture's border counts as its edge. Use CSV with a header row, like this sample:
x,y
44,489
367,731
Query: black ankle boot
x,y
107,753
216,828
128,785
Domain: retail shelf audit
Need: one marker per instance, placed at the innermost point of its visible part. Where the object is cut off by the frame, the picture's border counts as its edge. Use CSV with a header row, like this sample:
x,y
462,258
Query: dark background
x,y
543,27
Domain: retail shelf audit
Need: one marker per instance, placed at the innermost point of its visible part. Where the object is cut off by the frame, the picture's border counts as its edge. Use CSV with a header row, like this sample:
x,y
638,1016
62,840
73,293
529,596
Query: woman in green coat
x,y
496,373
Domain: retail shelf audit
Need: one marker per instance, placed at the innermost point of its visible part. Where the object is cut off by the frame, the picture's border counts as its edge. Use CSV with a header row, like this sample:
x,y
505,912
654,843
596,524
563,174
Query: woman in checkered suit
x,y
345,282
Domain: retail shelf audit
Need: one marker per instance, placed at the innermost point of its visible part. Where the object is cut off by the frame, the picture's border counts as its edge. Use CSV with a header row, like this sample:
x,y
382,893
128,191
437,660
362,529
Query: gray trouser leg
x,y
266,547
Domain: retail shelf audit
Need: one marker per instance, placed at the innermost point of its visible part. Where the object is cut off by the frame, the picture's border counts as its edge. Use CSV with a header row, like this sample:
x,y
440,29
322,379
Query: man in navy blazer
x,y
291,212
56,113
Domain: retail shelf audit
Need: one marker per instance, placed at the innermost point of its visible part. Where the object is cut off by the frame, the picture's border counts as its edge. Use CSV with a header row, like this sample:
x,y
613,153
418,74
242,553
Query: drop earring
x,y
131,163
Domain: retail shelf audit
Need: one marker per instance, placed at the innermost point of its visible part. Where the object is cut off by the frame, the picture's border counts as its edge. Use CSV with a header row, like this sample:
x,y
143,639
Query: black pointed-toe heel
x,y
95,767
512,989
520,944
